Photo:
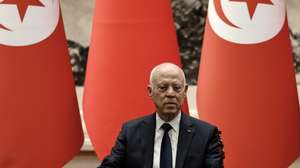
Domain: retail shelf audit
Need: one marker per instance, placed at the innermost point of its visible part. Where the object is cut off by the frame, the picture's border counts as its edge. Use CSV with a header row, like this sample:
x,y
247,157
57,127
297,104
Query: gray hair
x,y
163,65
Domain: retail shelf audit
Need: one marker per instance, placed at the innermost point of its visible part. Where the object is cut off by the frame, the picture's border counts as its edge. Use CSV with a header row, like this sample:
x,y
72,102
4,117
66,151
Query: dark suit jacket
x,y
199,145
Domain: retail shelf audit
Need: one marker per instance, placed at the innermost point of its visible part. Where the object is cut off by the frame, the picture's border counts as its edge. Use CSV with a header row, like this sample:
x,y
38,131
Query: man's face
x,y
168,92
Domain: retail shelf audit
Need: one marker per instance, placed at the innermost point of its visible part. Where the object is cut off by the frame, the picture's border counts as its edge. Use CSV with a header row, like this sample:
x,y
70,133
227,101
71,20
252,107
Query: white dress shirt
x,y
159,133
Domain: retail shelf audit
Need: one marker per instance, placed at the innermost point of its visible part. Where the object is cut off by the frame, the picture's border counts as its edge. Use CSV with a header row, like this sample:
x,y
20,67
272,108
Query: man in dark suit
x,y
167,138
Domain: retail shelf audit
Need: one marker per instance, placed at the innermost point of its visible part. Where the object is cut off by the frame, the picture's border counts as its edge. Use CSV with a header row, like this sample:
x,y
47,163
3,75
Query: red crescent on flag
x,y
220,12
3,27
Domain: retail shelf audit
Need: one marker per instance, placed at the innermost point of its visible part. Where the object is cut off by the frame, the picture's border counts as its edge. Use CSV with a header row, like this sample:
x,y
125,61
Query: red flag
x,y
40,124
247,83
129,38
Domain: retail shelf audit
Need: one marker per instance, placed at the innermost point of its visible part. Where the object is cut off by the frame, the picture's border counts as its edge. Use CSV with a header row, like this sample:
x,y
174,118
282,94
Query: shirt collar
x,y
174,123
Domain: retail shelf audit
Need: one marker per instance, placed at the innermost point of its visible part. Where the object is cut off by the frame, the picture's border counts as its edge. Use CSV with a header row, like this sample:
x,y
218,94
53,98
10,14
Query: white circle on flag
x,y
38,24
265,24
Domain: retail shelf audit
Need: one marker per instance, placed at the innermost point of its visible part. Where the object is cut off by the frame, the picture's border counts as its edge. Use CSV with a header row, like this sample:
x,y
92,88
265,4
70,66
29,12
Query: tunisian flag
x,y
247,83
40,123
129,38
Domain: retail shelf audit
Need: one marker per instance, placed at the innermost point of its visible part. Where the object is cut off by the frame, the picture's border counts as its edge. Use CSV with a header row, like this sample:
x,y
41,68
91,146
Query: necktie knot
x,y
166,127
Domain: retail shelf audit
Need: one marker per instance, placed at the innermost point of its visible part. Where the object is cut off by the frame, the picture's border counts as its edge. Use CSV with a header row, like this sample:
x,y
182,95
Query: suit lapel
x,y
186,134
147,133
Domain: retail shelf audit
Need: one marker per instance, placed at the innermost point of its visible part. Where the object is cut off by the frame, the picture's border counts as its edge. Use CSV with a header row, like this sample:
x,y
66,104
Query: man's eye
x,y
177,88
162,88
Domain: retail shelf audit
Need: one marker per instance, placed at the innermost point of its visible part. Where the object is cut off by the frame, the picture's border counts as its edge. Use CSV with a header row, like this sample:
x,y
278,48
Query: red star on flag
x,y
252,4
3,27
22,5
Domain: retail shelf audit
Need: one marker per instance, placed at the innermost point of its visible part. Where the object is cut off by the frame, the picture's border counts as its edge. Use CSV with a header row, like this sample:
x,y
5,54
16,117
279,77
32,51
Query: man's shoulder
x,y
200,122
140,120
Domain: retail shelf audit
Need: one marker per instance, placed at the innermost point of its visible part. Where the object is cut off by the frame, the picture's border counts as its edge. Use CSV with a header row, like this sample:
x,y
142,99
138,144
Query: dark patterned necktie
x,y
166,148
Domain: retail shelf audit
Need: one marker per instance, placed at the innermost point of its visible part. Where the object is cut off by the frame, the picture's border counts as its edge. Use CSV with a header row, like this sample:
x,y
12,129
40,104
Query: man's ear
x,y
186,87
149,90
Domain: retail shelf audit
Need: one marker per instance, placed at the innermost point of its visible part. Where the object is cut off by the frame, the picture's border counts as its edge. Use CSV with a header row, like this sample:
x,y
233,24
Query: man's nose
x,y
170,92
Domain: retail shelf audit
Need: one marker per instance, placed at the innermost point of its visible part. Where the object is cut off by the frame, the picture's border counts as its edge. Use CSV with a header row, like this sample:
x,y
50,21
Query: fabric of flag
x,y
246,83
40,123
129,38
